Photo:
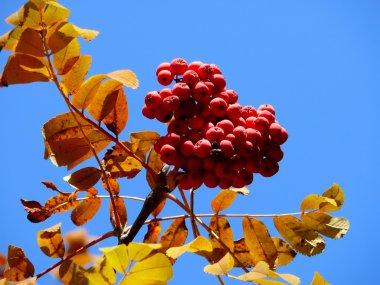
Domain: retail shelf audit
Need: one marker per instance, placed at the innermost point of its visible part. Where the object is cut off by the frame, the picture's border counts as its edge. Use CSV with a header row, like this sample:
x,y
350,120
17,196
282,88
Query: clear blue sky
x,y
317,62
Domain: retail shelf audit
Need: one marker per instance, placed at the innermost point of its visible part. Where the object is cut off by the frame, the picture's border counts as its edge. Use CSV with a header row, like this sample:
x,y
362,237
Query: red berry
x,y
178,126
203,109
205,71
210,179
171,103
209,164
201,92
195,65
166,92
278,134
178,66
248,111
195,179
148,112
253,164
162,66
196,122
246,149
215,134
194,136
223,95
182,90
172,139
168,154
219,81
211,87
206,127
267,107
268,167
184,183
224,170
190,77
275,153
254,136
187,148
226,125
234,111
225,183
227,148
240,134
179,161
165,77
261,124
238,163
218,107
194,164
162,115
266,114
231,138
202,148
233,96
242,178
239,122
153,99
158,144
216,69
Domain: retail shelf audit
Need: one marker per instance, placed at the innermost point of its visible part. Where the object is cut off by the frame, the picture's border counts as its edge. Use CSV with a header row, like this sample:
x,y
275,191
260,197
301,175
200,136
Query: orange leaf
x,y
50,185
154,230
86,210
117,118
21,40
223,230
87,91
72,80
64,58
143,141
284,252
72,273
84,178
59,36
28,16
112,184
223,200
159,208
20,267
125,77
23,68
241,251
175,235
50,242
36,212
75,240
61,203
155,162
120,209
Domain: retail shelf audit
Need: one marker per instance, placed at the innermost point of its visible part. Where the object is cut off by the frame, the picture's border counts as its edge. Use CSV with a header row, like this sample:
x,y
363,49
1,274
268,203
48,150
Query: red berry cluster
x,y
212,138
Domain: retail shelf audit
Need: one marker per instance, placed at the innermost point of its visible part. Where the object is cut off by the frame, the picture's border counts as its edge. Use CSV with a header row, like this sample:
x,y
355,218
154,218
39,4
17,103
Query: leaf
x,y
23,68
143,141
87,91
243,191
199,244
223,230
159,208
65,143
285,254
301,237
112,184
259,241
20,267
155,162
241,252
54,13
59,36
64,58
25,41
175,235
139,251
28,16
331,200
72,80
117,257
117,118
125,77
72,273
325,224
50,241
75,240
86,210
154,230
221,267
318,280
101,273
120,209
86,34
61,203
50,185
223,200
36,212
84,178
314,201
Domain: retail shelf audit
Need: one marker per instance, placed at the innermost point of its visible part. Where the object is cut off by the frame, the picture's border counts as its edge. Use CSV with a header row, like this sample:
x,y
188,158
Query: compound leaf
x,y
54,13
221,227
117,118
65,57
87,91
101,273
143,141
117,257
285,254
61,203
199,244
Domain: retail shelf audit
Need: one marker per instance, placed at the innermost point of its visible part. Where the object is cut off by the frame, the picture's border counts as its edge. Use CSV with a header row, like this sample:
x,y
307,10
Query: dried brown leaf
x,y
20,267
154,230
120,209
84,178
175,235
332,227
117,118
61,203
36,212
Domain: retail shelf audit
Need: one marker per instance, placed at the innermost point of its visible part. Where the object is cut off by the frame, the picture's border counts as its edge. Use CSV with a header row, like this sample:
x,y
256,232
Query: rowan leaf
x,y
75,240
285,254
126,77
326,225
120,209
117,118
318,280
84,178
143,141
331,200
101,273
223,200
155,162
259,241
111,185
54,12
50,241
117,257
72,273
65,143
59,36
159,208
221,267
175,235
65,57
19,266
299,235
23,40
86,210
23,68
199,245
314,201
27,16
138,251
72,80
87,91
61,203
86,34
50,185
154,230
241,252
36,212
223,230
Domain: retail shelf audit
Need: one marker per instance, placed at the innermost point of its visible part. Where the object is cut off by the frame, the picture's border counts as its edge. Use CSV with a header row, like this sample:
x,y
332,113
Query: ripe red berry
x,y
253,164
163,66
182,90
211,87
231,138
238,162
162,115
209,164
195,179
178,126
246,149
206,70
267,107
178,66
223,95
218,107
153,99
248,111
225,183
168,154
219,81
172,139
158,144
195,65
194,164
224,170
148,112
194,136
171,103
233,96
242,178
165,77
185,183
203,110
234,111
268,167
254,136
196,122
179,161
261,124
206,127
187,148
226,125
267,115
210,179
166,92
240,134
275,153
215,134
190,77
202,148
278,134
227,148
201,92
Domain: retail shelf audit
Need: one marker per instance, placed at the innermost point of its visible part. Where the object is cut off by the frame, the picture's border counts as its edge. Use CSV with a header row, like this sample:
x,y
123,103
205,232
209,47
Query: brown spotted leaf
x,y
59,37
241,251
126,77
326,225
20,267
84,178
221,227
299,235
285,254
50,241
73,79
154,230
175,235
72,273
117,118
23,68
28,16
61,203
24,40
36,212
143,141
223,200
74,241
86,210
120,209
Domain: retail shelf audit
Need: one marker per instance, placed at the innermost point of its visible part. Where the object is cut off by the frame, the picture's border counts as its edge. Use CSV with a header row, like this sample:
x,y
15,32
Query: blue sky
x,y
316,62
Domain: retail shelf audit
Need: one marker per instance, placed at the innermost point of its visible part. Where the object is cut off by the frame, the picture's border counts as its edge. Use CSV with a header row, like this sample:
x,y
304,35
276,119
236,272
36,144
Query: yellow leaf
x,y
318,280
72,273
200,244
125,77
325,224
117,257
23,68
101,273
154,230
221,267
175,235
84,178
104,100
222,228
86,210
314,201
59,36
241,252
86,34
87,91
117,118
155,162
336,193
120,209
72,80
54,13
285,253
223,200
138,251
50,241
61,203
19,267
300,236
23,40
143,141
28,16
64,56
259,241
